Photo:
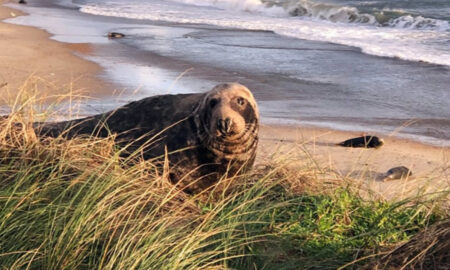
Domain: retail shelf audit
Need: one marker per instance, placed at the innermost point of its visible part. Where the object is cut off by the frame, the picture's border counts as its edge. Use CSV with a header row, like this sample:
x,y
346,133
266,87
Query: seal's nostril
x,y
221,125
224,126
227,125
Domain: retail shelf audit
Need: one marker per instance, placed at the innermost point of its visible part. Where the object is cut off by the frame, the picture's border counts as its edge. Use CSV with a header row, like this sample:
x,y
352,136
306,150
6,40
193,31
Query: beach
x,y
28,55
315,148
28,51
303,71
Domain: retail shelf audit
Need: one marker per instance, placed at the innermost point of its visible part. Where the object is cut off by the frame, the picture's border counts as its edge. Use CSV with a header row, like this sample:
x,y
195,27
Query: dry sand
x,y
27,54
26,50
430,164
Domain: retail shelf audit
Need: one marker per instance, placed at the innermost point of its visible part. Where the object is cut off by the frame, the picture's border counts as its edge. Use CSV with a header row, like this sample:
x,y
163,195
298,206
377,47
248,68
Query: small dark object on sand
x,y
22,2
367,141
115,35
397,173
3,84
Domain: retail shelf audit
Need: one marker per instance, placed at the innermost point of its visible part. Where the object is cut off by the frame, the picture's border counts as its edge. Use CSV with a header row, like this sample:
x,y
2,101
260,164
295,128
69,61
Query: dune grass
x,y
76,204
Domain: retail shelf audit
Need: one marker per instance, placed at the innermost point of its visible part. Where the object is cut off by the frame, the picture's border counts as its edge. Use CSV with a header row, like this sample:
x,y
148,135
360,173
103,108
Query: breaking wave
x,y
395,34
328,12
345,14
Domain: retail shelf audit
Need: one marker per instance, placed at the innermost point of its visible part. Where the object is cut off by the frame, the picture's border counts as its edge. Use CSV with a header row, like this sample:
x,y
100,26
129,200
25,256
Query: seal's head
x,y
378,142
229,115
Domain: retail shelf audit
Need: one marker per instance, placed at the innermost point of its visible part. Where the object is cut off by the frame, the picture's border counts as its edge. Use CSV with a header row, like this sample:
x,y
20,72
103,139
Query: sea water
x,y
356,65
417,30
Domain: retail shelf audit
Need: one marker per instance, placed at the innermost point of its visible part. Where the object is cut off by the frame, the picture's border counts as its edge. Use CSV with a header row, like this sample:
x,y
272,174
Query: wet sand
x,y
295,81
28,55
28,51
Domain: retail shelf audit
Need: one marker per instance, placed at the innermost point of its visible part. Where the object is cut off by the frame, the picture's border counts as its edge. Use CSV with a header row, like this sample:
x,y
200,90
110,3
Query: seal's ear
x,y
205,99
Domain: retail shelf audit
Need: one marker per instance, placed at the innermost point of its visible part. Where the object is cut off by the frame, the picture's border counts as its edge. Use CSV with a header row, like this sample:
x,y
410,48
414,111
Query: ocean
x,y
417,30
370,66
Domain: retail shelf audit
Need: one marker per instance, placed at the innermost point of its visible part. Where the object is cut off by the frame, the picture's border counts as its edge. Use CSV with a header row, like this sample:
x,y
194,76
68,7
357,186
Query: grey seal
x,y
206,135
367,141
115,35
397,173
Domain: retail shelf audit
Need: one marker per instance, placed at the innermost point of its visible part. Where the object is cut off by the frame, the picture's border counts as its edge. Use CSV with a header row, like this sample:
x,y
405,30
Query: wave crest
x,y
419,22
346,14
327,12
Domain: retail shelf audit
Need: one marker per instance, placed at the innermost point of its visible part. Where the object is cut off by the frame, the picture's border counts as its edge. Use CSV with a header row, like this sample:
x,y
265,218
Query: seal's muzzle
x,y
224,126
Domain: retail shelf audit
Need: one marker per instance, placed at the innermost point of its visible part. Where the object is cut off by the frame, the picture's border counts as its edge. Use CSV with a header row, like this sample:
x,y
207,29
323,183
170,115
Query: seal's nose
x,y
224,126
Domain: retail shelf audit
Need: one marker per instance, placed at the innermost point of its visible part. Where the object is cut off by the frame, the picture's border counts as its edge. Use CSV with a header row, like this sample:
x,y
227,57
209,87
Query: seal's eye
x,y
213,102
240,101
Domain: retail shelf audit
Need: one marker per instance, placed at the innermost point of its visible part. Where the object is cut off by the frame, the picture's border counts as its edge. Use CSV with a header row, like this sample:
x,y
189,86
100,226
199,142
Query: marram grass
x,y
76,204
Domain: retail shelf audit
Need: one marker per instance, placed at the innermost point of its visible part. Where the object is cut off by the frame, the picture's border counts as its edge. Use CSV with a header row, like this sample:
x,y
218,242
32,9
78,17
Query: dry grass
x,y
429,249
76,204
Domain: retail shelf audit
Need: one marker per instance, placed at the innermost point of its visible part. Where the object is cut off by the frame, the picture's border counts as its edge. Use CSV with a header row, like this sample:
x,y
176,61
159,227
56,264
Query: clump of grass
x,y
326,231
71,204
429,249
76,204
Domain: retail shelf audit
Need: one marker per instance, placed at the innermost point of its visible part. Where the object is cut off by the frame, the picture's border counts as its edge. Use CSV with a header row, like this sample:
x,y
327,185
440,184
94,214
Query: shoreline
x,y
426,161
149,61
93,72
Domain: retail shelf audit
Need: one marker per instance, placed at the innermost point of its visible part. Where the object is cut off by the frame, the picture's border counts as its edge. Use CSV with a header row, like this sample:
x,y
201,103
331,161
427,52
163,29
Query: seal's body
x,y
115,35
397,173
204,135
363,141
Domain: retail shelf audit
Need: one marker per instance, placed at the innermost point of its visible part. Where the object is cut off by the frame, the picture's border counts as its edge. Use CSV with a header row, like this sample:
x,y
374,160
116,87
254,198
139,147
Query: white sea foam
x,y
419,22
324,11
328,12
402,41
398,41
243,5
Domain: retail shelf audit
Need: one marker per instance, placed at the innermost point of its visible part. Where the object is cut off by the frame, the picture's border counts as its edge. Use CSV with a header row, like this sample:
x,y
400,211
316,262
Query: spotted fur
x,y
217,132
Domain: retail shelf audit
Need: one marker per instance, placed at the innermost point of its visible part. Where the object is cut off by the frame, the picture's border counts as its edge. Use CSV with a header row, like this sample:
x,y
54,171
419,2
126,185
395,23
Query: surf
x,y
383,33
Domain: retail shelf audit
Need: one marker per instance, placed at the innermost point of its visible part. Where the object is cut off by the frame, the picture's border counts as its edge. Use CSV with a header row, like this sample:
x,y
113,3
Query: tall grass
x,y
76,204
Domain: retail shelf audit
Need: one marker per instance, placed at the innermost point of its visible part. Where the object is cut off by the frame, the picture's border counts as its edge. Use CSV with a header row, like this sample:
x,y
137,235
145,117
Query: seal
x,y
397,173
206,136
112,35
367,141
